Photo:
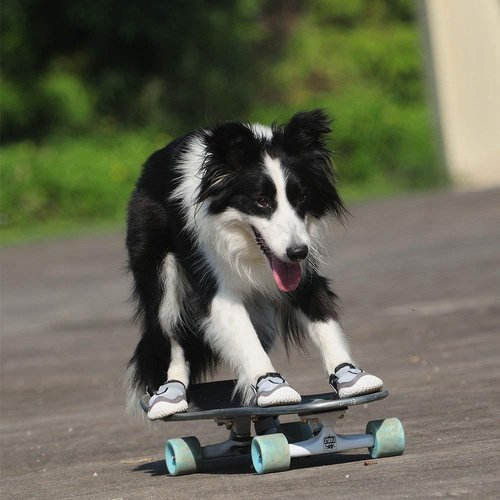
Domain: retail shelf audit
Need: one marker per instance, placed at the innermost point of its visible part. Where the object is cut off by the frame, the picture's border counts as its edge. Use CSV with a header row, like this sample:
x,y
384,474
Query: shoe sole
x,y
365,385
284,396
163,409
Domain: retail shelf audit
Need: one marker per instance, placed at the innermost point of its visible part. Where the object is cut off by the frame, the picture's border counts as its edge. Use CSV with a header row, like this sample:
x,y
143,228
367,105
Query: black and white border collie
x,y
225,231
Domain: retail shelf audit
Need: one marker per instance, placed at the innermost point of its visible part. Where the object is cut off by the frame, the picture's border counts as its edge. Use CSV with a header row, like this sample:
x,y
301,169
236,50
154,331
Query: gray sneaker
x,y
170,398
349,381
272,390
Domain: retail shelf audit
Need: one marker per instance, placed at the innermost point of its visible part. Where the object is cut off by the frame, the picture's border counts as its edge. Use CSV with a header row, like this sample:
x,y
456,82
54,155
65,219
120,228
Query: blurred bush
x,y
84,84
82,178
174,64
361,61
66,101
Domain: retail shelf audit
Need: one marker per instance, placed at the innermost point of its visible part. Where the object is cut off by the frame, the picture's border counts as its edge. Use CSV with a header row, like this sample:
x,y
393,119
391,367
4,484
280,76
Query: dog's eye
x,y
263,202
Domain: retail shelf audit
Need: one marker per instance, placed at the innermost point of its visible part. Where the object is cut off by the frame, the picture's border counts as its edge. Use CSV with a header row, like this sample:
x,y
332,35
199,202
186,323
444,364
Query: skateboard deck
x,y
215,400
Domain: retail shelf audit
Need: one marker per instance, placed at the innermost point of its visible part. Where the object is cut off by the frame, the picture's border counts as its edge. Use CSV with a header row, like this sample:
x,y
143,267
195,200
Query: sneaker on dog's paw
x,y
272,390
349,381
170,398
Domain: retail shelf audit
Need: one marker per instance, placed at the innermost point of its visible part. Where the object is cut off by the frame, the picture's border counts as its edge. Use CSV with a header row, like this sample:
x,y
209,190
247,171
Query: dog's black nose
x,y
297,252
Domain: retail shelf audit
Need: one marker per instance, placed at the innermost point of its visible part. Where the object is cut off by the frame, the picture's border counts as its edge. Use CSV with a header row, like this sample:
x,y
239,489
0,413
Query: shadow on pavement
x,y
243,464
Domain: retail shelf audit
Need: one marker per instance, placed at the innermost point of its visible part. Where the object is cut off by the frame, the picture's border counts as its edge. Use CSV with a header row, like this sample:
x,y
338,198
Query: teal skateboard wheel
x,y
389,437
296,431
270,453
182,455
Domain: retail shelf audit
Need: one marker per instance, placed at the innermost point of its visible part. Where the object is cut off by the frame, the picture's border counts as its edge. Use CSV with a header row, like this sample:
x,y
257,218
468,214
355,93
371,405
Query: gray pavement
x,y
419,278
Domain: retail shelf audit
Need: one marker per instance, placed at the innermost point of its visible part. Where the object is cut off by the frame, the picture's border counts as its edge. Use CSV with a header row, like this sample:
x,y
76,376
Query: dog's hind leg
x,y
171,397
179,366
170,317
231,334
317,304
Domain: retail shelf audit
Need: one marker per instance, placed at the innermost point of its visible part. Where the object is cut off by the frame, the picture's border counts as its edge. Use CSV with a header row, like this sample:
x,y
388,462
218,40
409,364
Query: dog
x,y
225,244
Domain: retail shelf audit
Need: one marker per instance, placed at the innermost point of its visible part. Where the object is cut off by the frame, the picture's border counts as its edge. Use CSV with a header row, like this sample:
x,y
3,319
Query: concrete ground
x,y
420,282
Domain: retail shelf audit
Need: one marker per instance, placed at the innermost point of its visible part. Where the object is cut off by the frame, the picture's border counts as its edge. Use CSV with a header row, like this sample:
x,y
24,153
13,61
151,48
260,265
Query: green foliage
x,y
84,178
15,111
99,70
180,63
66,101
361,62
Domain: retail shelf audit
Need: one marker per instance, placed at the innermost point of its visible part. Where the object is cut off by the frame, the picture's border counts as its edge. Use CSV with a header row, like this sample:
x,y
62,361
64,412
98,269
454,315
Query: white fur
x,y
261,130
231,334
331,342
179,367
229,246
174,292
284,228
190,178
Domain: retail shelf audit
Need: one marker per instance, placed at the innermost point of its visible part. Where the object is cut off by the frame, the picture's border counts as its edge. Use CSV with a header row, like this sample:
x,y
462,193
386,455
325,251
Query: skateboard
x,y
274,444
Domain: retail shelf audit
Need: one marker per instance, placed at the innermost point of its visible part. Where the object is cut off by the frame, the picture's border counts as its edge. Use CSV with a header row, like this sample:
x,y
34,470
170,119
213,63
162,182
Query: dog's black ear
x,y
230,146
305,136
307,129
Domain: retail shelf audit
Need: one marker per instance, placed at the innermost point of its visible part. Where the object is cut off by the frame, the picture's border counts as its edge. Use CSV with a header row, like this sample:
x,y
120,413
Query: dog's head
x,y
279,180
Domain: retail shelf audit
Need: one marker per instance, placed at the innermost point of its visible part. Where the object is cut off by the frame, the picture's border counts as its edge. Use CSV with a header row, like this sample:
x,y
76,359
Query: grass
x,y
56,228
67,185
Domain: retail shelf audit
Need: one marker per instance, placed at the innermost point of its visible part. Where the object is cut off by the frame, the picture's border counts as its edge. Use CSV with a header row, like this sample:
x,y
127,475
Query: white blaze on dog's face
x,y
279,229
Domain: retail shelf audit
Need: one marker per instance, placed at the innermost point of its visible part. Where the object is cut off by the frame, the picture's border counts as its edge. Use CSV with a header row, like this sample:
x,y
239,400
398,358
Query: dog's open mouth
x,y
286,274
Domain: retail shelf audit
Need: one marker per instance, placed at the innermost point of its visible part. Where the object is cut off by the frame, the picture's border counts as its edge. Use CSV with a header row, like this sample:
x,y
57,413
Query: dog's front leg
x,y
329,337
317,304
232,336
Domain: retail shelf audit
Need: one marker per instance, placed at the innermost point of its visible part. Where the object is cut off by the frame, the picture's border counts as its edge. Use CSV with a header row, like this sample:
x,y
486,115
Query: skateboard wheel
x,y
296,431
389,437
182,455
270,453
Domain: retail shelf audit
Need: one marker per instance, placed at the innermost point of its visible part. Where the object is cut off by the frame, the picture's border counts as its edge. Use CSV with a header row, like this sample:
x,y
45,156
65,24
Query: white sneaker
x,y
349,381
170,398
272,390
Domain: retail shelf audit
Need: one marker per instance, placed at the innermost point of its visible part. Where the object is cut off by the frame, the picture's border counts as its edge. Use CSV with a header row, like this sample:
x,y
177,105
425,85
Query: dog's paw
x,y
349,381
273,390
170,398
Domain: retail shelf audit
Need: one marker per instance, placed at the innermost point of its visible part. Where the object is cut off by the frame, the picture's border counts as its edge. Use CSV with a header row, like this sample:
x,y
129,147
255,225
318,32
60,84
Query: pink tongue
x,y
287,275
